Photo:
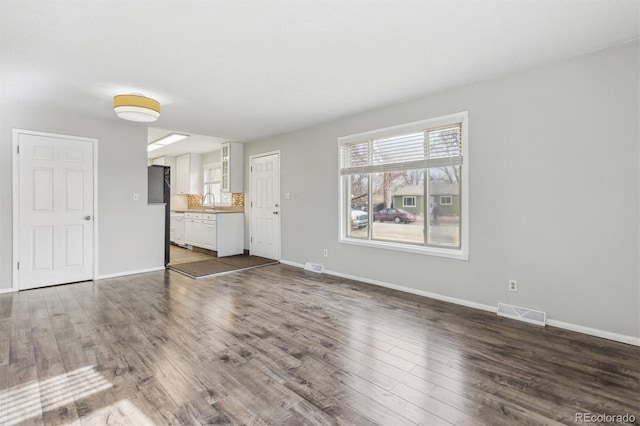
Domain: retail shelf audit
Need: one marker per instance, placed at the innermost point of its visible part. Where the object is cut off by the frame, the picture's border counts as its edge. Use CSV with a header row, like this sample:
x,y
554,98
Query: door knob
x,y
275,212
87,217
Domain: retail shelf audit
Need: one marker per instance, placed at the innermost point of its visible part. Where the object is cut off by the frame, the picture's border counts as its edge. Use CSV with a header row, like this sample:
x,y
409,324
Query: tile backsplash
x,y
195,200
237,199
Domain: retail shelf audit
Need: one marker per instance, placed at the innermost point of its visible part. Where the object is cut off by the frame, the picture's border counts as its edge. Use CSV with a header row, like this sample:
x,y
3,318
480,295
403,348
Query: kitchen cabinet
x,y
176,228
200,230
208,239
159,161
189,174
232,160
223,232
230,234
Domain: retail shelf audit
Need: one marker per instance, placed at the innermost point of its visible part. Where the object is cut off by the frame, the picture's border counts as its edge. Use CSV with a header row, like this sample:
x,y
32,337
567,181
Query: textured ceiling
x,y
249,69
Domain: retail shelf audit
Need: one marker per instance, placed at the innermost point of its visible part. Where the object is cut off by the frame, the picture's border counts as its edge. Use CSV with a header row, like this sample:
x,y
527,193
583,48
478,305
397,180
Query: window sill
x,y
428,251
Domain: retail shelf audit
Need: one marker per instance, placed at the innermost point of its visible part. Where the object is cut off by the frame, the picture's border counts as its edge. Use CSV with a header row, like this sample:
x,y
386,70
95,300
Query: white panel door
x,y
265,206
55,210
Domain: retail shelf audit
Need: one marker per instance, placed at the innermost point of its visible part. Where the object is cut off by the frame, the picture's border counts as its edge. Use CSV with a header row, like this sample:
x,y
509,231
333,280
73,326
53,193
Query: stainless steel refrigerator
x,y
160,192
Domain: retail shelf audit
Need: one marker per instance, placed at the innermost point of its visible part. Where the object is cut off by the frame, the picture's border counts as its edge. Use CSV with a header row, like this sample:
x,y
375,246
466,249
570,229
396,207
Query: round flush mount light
x,y
136,108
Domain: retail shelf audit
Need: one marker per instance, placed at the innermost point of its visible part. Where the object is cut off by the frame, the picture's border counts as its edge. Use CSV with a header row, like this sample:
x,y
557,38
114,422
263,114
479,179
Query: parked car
x,y
359,219
396,215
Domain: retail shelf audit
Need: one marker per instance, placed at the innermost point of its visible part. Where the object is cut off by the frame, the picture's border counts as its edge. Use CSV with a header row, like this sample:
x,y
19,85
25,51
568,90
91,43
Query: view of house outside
x,y
404,190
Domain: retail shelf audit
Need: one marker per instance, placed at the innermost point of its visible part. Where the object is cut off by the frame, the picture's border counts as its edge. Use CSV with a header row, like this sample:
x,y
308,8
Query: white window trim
x,y
463,252
406,197
450,203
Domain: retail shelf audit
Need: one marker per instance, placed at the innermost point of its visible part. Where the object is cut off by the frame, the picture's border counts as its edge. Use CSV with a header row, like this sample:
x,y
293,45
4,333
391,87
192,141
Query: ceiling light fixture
x,y
136,108
166,140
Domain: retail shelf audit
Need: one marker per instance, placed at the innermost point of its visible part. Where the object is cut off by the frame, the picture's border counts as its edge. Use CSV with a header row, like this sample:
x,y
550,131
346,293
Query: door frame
x,y
251,158
16,198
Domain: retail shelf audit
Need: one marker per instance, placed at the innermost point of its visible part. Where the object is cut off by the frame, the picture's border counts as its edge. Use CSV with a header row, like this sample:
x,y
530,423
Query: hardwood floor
x,y
276,345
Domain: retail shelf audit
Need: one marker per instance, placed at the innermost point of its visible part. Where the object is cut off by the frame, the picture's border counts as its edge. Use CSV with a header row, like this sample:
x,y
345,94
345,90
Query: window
x,y
408,201
446,200
409,184
212,185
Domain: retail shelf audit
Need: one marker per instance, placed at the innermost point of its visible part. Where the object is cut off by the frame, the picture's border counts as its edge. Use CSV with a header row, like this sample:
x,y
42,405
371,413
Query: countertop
x,y
217,210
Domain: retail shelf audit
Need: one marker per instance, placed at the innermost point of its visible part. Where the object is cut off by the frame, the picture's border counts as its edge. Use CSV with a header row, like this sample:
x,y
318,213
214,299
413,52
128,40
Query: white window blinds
x,y
436,147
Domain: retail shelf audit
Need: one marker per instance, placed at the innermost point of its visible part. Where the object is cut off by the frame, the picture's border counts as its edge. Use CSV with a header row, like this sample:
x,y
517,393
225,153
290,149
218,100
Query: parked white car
x,y
359,219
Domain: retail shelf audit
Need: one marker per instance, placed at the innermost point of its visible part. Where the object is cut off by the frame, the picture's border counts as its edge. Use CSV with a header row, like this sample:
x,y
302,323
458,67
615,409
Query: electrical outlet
x,y
513,285
325,253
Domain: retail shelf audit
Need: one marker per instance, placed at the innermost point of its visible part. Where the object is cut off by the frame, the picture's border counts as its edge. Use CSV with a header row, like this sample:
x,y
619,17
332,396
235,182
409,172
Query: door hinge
x,y
251,168
251,239
18,149
18,266
252,204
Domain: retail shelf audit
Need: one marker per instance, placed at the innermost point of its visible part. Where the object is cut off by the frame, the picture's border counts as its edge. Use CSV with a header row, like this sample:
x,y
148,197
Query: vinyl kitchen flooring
x,y
276,345
178,255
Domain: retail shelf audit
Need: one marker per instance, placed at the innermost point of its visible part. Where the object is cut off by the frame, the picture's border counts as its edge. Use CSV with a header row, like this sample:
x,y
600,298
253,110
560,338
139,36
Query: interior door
x,y
265,206
55,191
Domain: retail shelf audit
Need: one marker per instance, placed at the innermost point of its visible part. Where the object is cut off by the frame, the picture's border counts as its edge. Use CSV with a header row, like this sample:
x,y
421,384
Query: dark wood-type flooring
x,y
276,345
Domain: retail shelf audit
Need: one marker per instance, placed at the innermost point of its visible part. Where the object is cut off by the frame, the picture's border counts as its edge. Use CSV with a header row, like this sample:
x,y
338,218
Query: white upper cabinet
x,y
160,161
232,160
189,174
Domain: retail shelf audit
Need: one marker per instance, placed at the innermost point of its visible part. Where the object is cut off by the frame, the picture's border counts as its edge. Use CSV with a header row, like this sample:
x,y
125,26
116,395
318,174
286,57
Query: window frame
x,y
409,197
205,182
461,253
442,203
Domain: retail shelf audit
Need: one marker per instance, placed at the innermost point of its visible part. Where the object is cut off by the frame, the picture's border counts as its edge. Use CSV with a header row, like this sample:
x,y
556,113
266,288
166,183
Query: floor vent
x,y
522,314
313,267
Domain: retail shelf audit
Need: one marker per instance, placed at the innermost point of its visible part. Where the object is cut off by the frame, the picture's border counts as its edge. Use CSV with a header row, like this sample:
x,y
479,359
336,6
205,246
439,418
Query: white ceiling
x,y
243,70
197,144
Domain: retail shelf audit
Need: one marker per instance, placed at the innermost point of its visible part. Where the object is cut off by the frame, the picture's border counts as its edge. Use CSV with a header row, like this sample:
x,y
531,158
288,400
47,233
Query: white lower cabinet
x,y
208,237
230,234
194,231
223,232
176,234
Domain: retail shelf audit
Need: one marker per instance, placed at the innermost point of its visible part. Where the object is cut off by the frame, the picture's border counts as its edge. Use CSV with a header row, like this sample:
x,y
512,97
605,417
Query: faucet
x,y
213,199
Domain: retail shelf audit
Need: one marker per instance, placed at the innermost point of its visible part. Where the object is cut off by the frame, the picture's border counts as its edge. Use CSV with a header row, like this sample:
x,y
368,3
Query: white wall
x,y
554,193
211,157
130,233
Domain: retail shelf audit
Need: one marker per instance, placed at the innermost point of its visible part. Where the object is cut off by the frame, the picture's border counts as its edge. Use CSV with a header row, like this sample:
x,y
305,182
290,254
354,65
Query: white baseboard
x,y
595,332
428,294
102,277
122,274
287,262
631,340
404,289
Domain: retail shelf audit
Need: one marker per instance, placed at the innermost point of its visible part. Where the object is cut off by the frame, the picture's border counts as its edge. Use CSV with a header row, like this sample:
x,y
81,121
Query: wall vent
x,y
313,267
522,314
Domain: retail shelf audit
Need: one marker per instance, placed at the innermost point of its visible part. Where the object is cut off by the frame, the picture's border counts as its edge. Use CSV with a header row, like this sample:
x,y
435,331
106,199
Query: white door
x,y
265,206
55,210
